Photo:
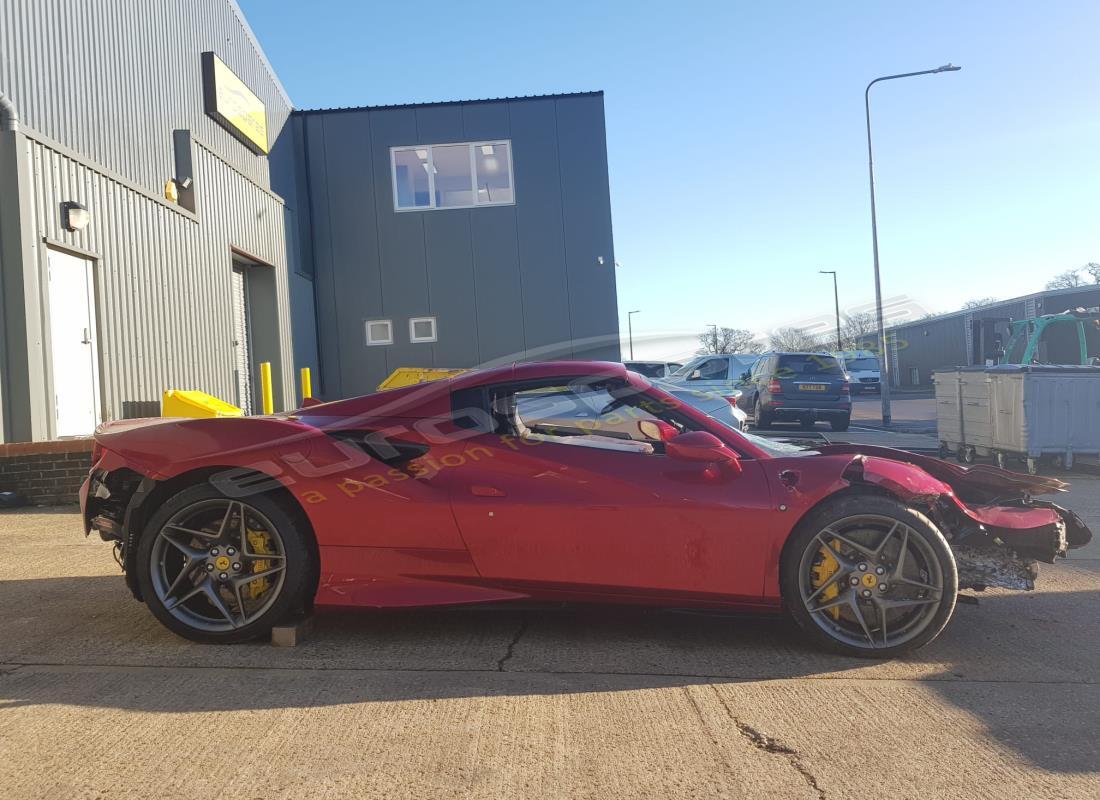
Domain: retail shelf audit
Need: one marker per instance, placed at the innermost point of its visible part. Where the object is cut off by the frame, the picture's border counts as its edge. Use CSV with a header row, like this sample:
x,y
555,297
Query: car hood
x,y
979,482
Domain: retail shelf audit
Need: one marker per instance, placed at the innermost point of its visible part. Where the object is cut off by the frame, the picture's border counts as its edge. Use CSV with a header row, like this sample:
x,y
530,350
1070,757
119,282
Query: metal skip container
x,y
1019,411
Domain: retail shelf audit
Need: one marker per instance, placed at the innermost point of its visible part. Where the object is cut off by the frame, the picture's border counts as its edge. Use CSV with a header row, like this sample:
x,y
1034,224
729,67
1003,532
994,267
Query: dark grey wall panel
x,y
404,286
448,242
540,231
587,213
499,280
312,149
500,328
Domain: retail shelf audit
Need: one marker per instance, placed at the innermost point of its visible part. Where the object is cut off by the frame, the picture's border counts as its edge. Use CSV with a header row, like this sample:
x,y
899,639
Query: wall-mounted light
x,y
74,216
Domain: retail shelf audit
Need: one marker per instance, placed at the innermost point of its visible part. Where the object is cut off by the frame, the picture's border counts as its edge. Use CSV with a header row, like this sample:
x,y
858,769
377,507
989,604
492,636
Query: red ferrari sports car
x,y
566,481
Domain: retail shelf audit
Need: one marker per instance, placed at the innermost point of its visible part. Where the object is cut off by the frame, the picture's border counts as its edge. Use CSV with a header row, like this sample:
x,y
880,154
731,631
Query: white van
x,y
863,370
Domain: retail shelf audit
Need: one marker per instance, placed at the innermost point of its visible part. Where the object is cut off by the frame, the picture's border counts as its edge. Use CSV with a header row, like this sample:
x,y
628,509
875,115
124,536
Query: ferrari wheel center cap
x,y
222,563
870,580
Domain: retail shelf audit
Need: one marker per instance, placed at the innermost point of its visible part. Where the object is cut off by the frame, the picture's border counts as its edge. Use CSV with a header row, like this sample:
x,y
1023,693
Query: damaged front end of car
x,y
997,530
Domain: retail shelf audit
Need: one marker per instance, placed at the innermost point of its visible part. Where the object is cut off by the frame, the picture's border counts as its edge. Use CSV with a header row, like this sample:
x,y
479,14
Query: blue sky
x,y
736,143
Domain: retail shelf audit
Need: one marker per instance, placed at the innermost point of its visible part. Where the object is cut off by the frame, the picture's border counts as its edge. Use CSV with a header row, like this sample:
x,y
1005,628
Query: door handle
x,y
486,491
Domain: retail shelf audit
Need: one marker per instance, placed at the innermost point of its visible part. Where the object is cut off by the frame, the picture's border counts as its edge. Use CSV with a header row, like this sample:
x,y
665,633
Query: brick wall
x,y
45,473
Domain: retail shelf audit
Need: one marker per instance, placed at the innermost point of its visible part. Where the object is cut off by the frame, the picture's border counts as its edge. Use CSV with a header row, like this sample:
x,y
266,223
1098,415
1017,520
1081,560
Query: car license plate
x,y
812,387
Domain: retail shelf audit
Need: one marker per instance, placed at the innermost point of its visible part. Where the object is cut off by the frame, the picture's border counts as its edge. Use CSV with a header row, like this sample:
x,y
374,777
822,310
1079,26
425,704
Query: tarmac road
x,y
98,701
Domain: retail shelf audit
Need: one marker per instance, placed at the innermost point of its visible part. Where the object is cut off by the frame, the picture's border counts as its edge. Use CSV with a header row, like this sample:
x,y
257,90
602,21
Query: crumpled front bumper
x,y
1002,545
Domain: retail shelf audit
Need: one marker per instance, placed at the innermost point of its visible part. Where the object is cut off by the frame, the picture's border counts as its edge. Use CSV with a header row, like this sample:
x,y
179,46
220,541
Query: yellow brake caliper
x,y
824,569
260,543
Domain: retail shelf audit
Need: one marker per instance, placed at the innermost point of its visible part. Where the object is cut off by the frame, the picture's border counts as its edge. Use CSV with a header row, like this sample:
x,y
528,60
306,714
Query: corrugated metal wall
x,y
163,278
100,85
941,342
112,78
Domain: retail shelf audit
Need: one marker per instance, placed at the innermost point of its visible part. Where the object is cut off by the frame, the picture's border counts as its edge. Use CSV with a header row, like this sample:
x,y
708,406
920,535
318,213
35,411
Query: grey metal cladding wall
x,y
539,228
505,283
162,278
587,216
112,78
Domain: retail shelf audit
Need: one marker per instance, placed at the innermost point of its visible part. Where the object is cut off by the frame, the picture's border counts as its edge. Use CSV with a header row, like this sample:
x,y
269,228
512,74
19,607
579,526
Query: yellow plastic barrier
x,y
265,387
307,383
408,376
188,403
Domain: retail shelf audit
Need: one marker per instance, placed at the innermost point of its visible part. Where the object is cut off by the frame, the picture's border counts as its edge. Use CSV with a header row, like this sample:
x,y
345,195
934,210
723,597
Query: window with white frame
x,y
379,331
422,329
462,175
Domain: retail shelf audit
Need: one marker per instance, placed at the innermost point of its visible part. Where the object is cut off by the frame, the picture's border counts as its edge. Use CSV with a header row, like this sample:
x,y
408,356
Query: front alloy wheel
x,y
870,577
215,568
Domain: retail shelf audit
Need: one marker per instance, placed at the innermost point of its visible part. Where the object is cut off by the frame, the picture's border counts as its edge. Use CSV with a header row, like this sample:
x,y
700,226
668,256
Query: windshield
x,y
862,364
811,364
651,369
688,367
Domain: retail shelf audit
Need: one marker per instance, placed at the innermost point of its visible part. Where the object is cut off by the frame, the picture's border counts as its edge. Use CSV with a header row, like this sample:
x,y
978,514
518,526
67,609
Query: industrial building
x,y
169,220
973,336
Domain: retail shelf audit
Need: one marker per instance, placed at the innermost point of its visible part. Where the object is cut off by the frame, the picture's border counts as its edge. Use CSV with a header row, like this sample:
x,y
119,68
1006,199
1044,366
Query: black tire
x,y
291,593
804,543
761,420
840,424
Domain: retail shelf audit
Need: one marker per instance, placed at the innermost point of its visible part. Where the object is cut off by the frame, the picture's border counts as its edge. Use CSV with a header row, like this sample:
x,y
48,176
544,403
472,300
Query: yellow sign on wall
x,y
233,104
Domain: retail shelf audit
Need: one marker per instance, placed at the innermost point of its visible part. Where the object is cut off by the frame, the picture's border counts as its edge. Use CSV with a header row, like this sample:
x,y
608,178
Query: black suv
x,y
797,387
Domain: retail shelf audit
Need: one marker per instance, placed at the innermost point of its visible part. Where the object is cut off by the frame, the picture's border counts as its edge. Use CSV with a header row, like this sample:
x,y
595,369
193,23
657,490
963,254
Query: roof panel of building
x,y
596,93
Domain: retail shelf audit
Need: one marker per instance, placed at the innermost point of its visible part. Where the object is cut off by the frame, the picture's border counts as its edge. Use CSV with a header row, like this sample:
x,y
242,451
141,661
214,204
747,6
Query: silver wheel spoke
x,y
886,540
859,548
858,613
843,600
223,529
899,568
179,529
845,563
907,602
216,600
191,553
185,574
244,580
882,616
916,584
172,602
836,576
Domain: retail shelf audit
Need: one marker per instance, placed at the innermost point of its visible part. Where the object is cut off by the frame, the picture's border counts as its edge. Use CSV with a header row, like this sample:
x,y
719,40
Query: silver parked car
x,y
721,374
720,405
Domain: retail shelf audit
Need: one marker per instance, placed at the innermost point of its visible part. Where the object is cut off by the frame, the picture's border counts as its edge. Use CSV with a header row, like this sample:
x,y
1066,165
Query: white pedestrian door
x,y
75,356
242,351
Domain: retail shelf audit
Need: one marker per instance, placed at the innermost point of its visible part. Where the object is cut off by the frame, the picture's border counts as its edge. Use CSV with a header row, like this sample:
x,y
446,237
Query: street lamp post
x,y
836,301
630,330
883,352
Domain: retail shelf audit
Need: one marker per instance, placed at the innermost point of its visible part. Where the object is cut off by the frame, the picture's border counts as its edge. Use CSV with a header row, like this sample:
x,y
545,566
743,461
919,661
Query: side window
x,y
603,415
714,369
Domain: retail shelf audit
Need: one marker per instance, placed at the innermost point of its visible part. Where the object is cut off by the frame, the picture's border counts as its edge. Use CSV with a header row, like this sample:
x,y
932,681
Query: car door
x,y
610,516
750,390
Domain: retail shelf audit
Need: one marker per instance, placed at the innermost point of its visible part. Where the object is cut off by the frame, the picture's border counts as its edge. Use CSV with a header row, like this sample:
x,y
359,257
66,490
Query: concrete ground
x,y
98,701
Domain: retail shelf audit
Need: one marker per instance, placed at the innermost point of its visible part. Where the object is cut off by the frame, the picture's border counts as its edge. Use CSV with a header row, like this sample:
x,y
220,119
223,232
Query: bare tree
x,y
1093,269
1070,279
857,328
724,341
793,340
978,302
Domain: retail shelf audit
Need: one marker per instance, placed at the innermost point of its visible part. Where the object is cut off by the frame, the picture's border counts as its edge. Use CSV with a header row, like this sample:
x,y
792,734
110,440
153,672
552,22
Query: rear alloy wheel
x,y
867,576
218,569
759,418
